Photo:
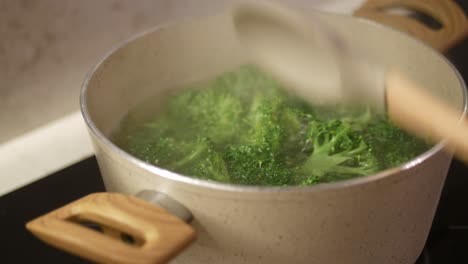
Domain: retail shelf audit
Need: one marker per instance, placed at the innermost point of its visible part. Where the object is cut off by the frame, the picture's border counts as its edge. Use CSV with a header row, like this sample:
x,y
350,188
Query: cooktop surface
x,y
447,242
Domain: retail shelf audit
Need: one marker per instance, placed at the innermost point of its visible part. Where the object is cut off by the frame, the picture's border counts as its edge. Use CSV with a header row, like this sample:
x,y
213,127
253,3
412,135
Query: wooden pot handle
x,y
453,20
153,235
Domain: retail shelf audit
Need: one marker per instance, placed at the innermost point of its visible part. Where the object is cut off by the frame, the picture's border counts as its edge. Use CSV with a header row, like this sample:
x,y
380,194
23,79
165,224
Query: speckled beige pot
x,y
383,218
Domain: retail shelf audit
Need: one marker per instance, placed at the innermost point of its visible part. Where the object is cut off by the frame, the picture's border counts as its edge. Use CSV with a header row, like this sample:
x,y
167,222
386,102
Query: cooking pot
x,y
382,218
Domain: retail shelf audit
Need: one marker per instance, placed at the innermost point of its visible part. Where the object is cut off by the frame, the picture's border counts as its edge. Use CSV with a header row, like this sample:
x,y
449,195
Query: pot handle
x,y
453,22
130,230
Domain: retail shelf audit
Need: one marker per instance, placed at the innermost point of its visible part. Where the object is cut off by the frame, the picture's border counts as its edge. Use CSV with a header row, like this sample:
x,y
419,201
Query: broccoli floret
x,y
310,180
197,158
336,152
294,122
251,165
391,145
212,113
255,158
163,151
200,160
243,128
358,119
263,128
144,141
212,167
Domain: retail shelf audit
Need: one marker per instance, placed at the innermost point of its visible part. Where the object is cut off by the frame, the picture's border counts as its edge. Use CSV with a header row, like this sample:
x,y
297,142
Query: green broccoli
x,y
294,123
242,127
212,113
336,152
391,145
252,165
263,129
197,158
254,159
145,140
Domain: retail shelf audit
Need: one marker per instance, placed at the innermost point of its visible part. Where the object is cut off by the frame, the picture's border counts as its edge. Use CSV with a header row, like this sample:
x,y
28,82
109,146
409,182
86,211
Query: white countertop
x,y
64,141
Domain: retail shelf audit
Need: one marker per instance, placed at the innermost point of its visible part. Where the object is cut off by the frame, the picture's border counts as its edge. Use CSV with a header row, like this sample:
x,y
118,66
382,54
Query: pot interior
x,y
171,56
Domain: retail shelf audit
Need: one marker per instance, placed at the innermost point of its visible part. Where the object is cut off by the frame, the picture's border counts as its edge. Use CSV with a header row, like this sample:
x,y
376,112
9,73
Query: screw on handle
x,y
454,26
133,230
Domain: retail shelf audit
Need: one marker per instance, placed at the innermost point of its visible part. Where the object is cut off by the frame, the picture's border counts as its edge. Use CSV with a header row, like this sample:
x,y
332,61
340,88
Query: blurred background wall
x,y
47,46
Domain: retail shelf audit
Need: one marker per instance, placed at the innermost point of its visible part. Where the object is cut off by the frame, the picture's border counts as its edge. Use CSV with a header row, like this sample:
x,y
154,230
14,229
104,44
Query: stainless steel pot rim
x,y
247,188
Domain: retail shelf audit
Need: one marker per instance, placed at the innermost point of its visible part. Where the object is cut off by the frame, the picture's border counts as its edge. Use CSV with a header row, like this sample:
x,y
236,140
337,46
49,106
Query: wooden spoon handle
x,y
152,235
448,13
418,112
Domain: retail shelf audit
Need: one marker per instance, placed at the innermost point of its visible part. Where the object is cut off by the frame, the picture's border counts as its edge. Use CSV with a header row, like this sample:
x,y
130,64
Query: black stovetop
x,y
447,242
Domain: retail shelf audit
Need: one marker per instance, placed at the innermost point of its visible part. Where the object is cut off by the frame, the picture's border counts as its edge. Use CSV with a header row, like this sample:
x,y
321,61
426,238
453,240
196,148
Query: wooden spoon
x,y
317,64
